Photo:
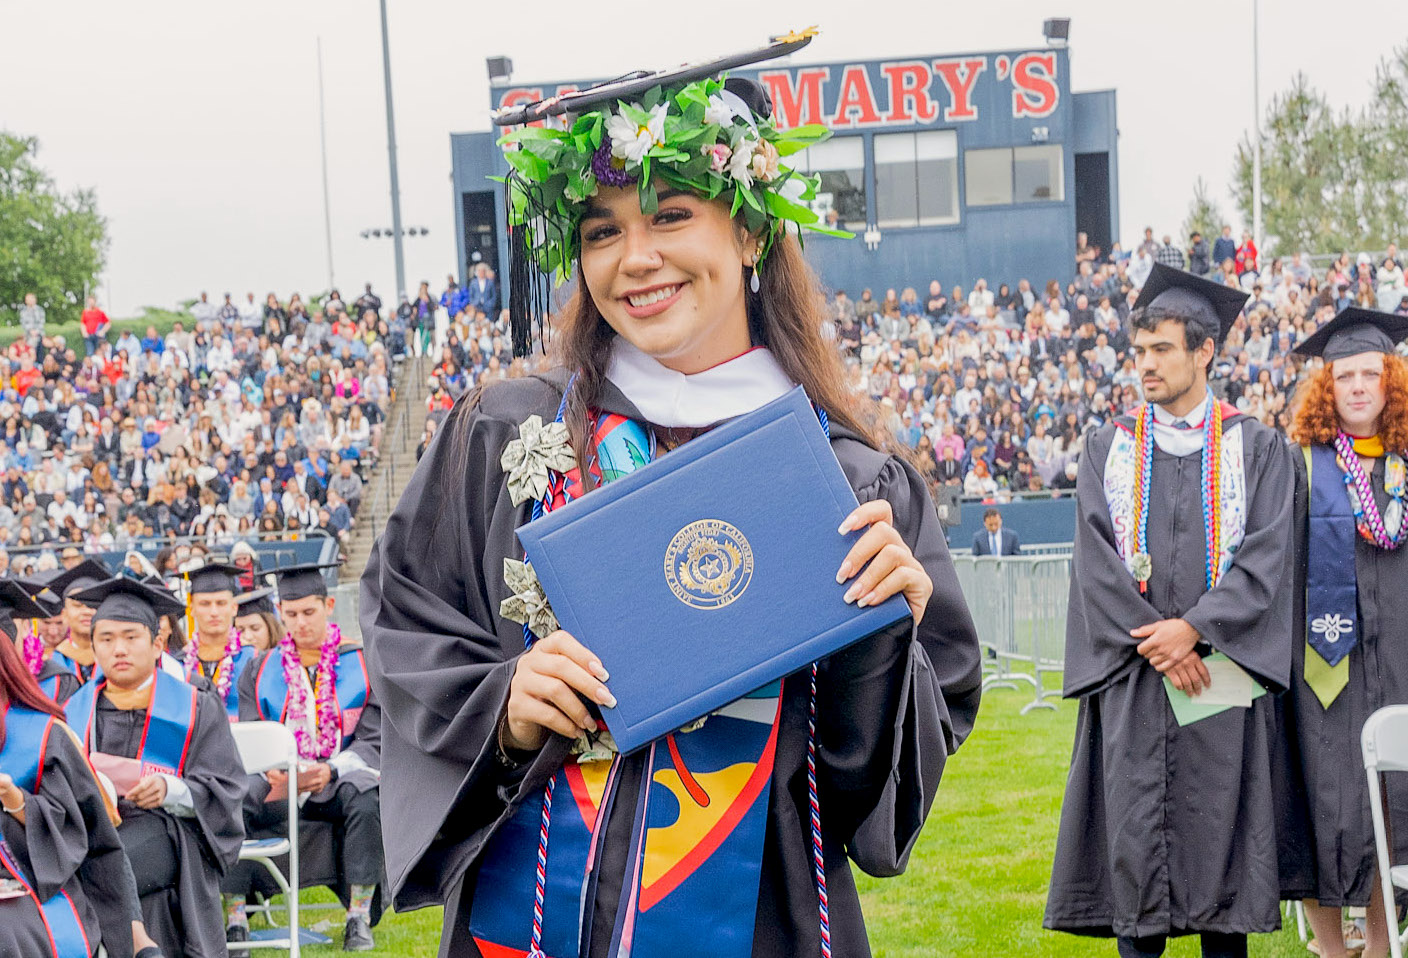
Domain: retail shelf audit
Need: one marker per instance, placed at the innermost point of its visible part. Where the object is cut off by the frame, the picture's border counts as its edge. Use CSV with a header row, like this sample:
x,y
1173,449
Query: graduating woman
x,y
1351,647
694,306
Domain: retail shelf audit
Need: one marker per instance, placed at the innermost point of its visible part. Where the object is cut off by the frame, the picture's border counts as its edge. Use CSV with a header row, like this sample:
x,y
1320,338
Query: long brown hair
x,y
785,315
19,687
1318,421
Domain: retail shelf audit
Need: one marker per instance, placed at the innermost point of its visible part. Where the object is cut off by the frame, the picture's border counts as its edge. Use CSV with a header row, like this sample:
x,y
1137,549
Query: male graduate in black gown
x,y
210,652
1169,828
168,749
76,651
340,744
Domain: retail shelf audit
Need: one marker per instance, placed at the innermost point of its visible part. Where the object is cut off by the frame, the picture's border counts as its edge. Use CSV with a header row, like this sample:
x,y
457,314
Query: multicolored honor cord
x,y
1211,491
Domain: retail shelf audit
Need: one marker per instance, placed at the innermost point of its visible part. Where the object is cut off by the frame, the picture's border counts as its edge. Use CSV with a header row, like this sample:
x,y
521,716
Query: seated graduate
x,y
168,750
75,652
316,683
257,620
44,781
217,651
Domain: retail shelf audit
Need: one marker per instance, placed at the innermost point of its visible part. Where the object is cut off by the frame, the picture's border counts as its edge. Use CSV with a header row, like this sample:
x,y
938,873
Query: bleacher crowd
x,y
255,419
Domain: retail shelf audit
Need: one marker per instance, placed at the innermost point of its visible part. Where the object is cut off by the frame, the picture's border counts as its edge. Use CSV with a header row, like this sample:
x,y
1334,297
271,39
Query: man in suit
x,y
484,291
995,541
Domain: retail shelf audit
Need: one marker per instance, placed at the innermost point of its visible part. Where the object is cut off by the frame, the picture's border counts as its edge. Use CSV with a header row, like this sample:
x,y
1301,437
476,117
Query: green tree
x,y
52,244
1204,216
1384,139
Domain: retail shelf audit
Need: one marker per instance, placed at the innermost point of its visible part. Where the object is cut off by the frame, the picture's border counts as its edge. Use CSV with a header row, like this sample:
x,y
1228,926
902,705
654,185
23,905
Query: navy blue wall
x,y
1036,521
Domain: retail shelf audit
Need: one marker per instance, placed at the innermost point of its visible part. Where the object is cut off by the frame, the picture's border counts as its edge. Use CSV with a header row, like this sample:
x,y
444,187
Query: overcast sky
x,y
197,123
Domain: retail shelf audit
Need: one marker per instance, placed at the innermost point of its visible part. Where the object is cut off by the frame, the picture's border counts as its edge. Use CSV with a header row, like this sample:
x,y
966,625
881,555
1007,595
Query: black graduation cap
x,y
15,602
302,580
87,573
124,599
256,602
1355,330
37,587
214,577
1184,296
632,86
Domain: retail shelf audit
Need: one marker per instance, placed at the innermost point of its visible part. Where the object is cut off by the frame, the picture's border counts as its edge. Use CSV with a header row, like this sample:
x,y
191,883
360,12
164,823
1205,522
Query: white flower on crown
x,y
629,140
741,163
718,111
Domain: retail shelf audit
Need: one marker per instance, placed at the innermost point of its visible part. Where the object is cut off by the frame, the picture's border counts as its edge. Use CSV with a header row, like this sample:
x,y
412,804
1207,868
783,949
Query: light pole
x,y
391,151
1256,125
323,139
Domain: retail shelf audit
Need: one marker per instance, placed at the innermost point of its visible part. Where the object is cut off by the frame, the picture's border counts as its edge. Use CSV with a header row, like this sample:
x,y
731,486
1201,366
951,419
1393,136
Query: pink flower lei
x,y
328,714
34,652
234,640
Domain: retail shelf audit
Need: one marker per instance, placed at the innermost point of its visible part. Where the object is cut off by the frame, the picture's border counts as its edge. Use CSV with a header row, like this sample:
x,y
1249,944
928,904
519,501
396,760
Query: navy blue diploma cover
x,y
709,573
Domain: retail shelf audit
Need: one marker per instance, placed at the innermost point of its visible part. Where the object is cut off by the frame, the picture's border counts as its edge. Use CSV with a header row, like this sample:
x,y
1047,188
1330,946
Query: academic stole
x,y
171,719
271,690
1331,593
1123,476
26,736
690,885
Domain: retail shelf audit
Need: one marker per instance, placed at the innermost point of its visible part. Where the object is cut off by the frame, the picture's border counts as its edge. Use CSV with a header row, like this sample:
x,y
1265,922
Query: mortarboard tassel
x,y
525,279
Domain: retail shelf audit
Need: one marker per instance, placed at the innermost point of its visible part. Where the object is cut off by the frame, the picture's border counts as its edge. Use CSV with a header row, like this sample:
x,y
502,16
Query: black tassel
x,y
522,281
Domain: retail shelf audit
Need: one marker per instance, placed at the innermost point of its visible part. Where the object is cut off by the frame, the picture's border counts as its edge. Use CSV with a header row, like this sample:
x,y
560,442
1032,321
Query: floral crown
x,y
703,138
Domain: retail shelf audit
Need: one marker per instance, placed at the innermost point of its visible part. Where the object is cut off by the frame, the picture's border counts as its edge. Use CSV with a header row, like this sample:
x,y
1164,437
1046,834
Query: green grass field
x,y
976,883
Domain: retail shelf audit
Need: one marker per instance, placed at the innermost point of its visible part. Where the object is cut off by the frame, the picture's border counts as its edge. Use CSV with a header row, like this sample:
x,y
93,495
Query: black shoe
x,y
236,933
358,936
151,951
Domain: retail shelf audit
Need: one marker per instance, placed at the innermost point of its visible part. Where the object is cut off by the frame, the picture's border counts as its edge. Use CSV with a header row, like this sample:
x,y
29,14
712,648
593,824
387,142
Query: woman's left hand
x,y
886,565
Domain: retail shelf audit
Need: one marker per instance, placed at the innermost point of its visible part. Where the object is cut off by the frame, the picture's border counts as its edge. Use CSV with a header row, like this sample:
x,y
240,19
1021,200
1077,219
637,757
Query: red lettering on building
x,y
796,102
910,101
1035,93
960,75
856,97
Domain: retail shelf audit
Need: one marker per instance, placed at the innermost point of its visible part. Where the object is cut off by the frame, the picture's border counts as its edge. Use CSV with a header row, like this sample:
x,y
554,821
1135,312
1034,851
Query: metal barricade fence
x,y
1018,604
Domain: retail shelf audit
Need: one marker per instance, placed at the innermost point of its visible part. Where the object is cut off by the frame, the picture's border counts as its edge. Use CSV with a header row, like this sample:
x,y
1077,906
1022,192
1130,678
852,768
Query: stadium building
x,y
948,166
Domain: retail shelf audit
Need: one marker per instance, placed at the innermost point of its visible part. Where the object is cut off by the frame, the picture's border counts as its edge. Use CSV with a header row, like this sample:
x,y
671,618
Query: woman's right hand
x,y
543,696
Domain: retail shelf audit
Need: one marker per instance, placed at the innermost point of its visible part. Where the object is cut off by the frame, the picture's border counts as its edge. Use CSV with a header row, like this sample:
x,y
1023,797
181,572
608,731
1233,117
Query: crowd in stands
x,y
996,389
255,419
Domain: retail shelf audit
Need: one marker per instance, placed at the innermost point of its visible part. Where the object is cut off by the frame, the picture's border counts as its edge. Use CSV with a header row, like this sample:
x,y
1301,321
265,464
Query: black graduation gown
x,y
185,919
68,682
50,847
890,710
1337,860
1168,829
319,857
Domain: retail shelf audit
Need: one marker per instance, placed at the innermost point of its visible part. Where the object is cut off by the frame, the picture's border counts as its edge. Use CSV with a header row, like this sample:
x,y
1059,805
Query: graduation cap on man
x,y
302,580
86,574
125,599
16,602
1171,293
1355,330
213,577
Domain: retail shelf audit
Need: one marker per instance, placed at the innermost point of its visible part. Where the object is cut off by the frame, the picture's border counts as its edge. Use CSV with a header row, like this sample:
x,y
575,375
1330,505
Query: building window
x,y
916,179
1023,174
840,200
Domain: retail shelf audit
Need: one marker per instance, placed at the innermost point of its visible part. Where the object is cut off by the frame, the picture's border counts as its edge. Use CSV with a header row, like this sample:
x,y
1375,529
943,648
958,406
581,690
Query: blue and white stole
x,y
1118,486
171,720
690,885
22,758
271,690
1331,596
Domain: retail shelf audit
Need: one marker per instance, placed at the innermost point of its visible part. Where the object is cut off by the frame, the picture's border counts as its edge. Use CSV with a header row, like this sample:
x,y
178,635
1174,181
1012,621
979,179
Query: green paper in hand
x,y
1188,709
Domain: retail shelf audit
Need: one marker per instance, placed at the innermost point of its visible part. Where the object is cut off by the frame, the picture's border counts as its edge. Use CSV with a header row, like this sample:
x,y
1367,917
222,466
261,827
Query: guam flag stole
x,y
694,860
171,719
22,758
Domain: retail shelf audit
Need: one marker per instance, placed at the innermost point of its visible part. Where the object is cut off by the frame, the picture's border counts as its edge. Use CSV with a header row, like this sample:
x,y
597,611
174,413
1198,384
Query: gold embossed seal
x,y
708,564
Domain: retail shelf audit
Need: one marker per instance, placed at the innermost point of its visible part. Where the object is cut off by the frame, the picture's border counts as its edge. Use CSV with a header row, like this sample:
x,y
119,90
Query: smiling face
x,y
670,283
1359,392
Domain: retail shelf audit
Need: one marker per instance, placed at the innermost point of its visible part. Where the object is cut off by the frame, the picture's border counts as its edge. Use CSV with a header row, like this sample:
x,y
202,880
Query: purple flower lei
x,y
234,639
329,715
34,653
605,170
1366,511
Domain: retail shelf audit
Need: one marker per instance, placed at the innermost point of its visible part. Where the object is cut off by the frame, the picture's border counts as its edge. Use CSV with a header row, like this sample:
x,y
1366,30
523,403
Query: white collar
x,y
673,399
1165,418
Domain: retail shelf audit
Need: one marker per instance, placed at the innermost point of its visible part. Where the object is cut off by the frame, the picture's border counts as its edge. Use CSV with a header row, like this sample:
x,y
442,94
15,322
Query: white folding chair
x,y
264,746
1384,742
